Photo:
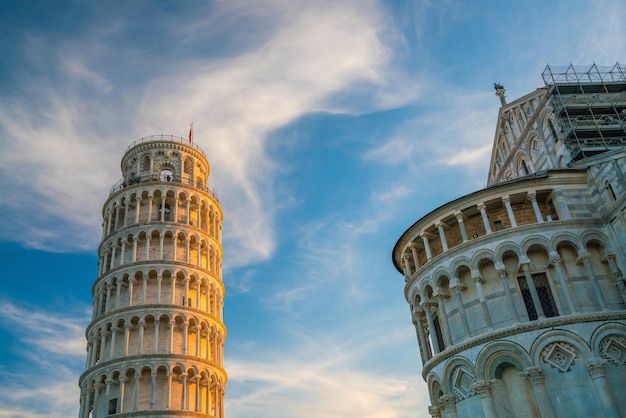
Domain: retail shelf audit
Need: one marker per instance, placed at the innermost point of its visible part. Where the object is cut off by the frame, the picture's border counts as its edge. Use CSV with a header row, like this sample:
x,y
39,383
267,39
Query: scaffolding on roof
x,y
583,74
589,105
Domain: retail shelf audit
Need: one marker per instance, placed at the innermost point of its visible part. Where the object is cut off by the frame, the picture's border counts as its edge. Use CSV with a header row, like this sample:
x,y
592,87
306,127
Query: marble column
x,y
460,219
555,261
152,389
431,327
120,396
537,379
442,235
509,210
457,287
617,276
596,369
96,398
448,403
407,266
443,316
421,335
478,282
483,388
585,258
483,213
416,260
429,253
532,195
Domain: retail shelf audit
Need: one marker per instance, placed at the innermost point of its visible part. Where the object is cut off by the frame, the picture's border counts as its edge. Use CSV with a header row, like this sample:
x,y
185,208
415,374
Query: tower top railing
x,y
168,138
147,178
583,74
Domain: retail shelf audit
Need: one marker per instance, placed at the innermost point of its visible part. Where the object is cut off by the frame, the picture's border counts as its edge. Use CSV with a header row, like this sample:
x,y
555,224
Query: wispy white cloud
x,y
301,62
456,131
326,375
52,343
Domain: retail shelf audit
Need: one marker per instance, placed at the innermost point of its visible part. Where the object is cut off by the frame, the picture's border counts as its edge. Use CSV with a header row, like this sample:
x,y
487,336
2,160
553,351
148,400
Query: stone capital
x,y
555,257
532,195
596,367
448,402
440,294
481,206
483,388
583,257
434,411
459,216
426,304
506,198
456,285
535,375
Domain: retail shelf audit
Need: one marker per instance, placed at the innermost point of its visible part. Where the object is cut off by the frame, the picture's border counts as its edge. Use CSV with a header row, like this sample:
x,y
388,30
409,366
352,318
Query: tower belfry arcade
x,y
156,339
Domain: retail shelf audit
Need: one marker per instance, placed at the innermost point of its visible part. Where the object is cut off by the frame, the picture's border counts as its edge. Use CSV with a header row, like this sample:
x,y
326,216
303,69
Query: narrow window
x,y
528,300
545,295
498,225
113,406
611,191
525,168
546,300
438,333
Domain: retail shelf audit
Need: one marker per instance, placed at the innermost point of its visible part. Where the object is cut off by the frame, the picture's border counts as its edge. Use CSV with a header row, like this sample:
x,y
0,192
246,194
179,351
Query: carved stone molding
x,y
518,329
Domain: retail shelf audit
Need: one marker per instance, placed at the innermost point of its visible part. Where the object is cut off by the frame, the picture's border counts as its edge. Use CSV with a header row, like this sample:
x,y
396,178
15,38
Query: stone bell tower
x,y
156,339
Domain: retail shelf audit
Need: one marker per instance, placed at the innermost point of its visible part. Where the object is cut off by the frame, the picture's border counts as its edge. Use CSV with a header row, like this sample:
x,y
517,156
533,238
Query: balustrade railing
x,y
147,178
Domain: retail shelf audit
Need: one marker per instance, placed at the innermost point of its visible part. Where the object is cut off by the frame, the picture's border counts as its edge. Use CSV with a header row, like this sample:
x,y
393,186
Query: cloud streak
x,y
313,53
324,376
53,344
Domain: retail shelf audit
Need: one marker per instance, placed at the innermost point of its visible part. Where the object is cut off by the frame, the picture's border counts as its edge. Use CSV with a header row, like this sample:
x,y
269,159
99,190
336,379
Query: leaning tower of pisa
x,y
156,339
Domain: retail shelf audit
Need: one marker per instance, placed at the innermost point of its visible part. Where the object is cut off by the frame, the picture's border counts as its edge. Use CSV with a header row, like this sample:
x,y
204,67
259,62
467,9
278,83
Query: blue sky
x,y
331,126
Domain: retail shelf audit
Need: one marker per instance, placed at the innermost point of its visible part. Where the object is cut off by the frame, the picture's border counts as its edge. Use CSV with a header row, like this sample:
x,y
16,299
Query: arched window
x,y
165,208
610,189
166,175
544,293
522,168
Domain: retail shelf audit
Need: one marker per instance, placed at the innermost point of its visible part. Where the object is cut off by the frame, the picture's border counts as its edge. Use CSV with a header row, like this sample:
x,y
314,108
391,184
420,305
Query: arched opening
x,y
515,392
166,175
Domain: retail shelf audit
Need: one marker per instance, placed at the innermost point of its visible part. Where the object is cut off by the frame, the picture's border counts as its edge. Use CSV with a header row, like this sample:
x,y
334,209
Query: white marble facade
x,y
517,291
156,340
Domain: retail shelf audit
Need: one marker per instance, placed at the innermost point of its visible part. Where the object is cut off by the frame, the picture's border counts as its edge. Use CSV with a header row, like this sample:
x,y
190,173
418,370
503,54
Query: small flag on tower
x,y
191,133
